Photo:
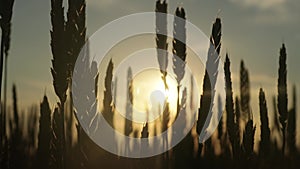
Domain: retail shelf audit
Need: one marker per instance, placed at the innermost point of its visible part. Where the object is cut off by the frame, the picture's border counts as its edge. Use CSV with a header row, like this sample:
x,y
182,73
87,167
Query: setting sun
x,y
150,94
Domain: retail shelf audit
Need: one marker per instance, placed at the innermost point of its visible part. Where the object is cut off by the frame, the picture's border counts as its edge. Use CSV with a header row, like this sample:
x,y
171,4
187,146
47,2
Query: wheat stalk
x,y
210,77
161,38
244,90
291,126
179,47
128,127
56,141
128,123
108,112
282,100
237,128
87,111
59,62
248,138
220,112
15,108
75,31
59,68
6,11
179,50
265,130
229,105
44,135
6,7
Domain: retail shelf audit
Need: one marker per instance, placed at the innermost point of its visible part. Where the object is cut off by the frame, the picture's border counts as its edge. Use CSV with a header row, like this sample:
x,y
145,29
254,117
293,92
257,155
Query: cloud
x,y
117,7
103,4
261,4
266,11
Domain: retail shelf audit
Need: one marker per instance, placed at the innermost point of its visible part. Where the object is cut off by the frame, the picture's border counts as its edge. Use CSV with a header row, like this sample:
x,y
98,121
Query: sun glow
x,y
150,94
171,92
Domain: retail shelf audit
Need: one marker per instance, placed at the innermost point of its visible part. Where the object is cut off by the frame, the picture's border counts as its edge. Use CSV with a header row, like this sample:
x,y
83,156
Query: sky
x,y
252,30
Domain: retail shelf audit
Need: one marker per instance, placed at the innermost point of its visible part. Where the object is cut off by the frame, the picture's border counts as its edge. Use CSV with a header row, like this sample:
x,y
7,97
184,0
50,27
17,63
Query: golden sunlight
x,y
150,94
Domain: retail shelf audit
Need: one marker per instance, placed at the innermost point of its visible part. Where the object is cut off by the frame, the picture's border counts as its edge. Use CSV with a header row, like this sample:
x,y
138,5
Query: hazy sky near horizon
x,y
252,30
